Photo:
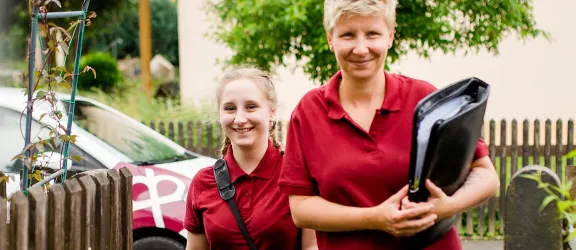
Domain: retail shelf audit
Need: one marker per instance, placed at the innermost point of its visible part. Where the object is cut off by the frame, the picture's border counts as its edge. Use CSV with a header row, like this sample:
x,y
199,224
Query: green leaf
x,y
546,201
41,94
571,154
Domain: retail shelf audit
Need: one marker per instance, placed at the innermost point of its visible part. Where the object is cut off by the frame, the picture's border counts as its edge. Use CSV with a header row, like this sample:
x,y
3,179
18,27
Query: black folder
x,y
446,129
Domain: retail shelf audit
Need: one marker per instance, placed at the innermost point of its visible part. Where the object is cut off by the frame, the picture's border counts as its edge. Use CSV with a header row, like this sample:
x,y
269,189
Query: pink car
x,y
106,139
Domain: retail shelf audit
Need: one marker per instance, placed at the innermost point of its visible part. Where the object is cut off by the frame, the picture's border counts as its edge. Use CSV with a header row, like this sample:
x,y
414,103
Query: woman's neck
x,y
249,158
363,93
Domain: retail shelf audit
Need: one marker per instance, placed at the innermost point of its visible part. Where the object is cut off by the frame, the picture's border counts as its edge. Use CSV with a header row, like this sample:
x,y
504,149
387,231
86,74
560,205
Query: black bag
x,y
447,126
227,192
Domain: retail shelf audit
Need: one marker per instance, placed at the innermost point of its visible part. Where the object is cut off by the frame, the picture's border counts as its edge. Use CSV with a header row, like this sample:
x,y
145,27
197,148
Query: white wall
x,y
529,80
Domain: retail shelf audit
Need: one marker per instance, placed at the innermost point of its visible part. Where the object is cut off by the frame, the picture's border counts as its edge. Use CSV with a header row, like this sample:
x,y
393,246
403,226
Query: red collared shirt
x,y
329,155
264,209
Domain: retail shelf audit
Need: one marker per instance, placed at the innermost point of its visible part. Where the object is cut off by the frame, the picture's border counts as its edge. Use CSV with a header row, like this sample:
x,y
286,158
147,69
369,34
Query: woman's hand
x,y
443,204
390,218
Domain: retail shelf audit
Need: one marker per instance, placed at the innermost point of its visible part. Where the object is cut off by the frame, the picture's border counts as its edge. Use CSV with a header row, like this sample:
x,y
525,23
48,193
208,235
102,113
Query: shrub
x,y
107,73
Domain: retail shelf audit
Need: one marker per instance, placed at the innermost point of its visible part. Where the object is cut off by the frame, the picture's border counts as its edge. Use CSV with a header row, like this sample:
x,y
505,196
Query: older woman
x,y
348,146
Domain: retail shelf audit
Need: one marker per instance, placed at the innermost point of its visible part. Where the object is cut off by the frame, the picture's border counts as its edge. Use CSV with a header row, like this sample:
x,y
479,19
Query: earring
x,y
331,48
390,45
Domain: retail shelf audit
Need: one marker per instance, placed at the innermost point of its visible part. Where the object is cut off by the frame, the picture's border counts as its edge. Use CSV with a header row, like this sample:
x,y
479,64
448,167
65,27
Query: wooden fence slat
x,y
115,215
514,148
126,196
525,143
570,142
3,221
210,149
181,134
171,130
217,140
38,206
547,143
74,214
56,214
102,207
162,128
482,207
536,146
503,168
189,135
88,210
19,218
558,154
199,137
492,201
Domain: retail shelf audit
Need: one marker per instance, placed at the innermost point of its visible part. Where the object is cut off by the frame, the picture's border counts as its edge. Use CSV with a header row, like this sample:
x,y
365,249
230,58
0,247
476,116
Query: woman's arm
x,y
319,214
196,242
481,184
309,239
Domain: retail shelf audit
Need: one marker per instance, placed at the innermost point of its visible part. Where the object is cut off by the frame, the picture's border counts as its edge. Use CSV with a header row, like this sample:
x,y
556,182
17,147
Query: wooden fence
x,y
91,210
512,144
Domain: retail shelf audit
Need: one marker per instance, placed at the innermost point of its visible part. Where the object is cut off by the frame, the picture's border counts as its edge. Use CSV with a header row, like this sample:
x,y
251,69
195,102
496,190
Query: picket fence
x,y
512,144
91,210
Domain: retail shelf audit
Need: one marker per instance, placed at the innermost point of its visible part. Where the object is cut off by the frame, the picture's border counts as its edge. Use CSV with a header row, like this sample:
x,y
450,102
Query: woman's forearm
x,y
481,184
316,213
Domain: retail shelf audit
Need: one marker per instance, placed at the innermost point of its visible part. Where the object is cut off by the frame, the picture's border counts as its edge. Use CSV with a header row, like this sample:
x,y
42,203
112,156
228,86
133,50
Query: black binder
x,y
446,128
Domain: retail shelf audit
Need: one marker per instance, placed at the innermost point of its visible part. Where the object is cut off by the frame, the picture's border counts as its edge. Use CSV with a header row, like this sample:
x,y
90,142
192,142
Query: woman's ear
x,y
329,39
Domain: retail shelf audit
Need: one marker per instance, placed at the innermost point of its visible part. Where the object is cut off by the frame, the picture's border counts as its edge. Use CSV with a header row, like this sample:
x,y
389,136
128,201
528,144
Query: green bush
x,y
164,28
108,75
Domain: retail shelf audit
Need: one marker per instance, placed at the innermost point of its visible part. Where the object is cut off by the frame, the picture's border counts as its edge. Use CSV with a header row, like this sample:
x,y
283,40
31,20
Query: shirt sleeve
x,y
481,149
295,178
193,218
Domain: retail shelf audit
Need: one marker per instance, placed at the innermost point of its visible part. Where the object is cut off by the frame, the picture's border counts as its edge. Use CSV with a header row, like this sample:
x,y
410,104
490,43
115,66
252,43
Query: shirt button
x,y
247,194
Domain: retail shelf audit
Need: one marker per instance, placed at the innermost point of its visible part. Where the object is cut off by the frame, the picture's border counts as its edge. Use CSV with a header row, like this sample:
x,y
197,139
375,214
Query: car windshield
x,y
130,137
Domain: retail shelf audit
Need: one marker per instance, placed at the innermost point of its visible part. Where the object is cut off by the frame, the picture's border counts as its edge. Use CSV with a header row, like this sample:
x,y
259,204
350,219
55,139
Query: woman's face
x,y
244,113
360,44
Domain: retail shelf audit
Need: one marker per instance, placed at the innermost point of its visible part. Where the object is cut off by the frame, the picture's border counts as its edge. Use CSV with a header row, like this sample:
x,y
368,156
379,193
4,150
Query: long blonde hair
x,y
264,83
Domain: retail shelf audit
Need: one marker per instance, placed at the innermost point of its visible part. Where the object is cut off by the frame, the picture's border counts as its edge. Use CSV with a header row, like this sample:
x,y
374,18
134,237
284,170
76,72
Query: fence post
x,y
528,227
18,232
126,191
56,222
88,197
74,214
38,201
102,210
115,213
3,221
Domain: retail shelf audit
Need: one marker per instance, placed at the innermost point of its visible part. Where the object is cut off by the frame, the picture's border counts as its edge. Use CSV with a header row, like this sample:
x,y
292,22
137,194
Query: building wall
x,y
532,79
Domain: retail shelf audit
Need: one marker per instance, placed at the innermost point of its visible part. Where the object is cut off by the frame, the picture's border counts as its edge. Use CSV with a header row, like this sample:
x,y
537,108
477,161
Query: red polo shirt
x,y
329,155
264,209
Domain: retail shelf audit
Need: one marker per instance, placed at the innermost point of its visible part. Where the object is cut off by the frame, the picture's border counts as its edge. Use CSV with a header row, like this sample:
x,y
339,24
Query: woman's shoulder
x,y
204,179
412,84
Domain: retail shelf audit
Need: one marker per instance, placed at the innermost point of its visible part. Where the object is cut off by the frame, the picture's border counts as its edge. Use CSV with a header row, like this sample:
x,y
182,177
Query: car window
x,y
10,131
133,139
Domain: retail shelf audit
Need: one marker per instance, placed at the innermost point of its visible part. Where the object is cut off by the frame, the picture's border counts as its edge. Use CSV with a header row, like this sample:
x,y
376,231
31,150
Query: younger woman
x,y
247,104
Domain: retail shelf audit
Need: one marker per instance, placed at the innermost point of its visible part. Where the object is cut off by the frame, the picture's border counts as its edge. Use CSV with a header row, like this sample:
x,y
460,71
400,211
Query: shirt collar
x,y
265,168
391,103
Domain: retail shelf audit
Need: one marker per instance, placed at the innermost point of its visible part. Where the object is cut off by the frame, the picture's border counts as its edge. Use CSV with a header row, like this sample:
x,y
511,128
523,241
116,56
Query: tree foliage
x,y
268,32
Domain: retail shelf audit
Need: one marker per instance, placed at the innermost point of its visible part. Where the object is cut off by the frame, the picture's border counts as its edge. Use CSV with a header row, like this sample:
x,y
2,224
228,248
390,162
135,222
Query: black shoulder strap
x,y
227,192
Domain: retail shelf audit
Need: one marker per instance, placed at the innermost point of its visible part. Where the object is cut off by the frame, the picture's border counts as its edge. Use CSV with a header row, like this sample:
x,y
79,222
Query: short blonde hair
x,y
334,9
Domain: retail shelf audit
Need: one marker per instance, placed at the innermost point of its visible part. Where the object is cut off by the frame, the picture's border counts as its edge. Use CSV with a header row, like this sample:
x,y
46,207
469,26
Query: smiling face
x,y
245,113
360,44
